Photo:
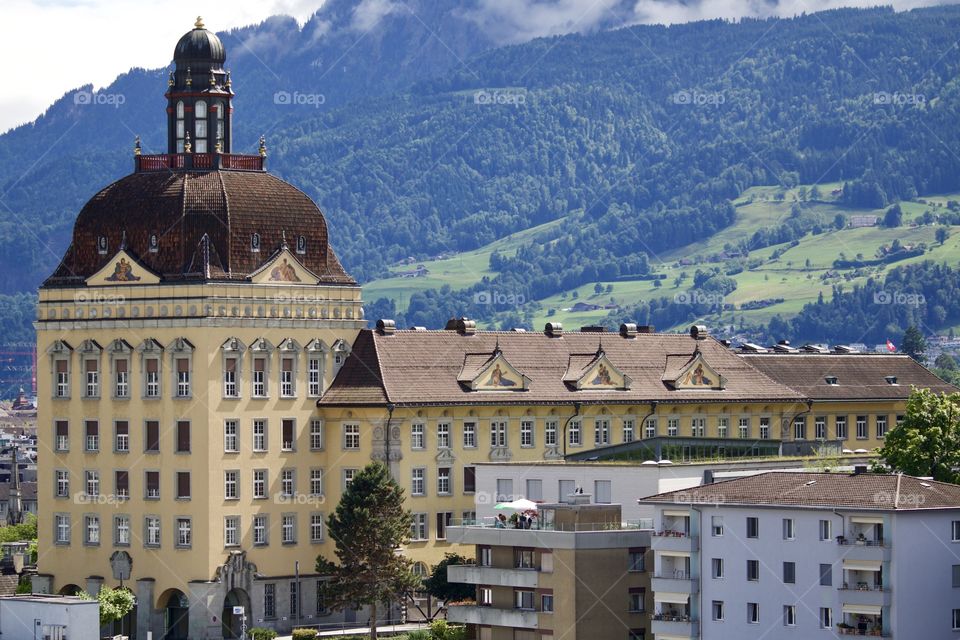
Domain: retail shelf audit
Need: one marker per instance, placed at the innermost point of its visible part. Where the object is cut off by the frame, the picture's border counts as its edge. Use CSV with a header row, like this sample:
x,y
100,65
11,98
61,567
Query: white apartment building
x,y
807,555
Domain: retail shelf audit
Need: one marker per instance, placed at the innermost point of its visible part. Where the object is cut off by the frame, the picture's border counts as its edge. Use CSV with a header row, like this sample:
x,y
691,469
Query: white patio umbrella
x,y
521,504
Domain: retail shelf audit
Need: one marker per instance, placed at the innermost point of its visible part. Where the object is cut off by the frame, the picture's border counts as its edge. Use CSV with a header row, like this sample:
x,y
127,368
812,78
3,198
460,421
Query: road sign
x,y
238,611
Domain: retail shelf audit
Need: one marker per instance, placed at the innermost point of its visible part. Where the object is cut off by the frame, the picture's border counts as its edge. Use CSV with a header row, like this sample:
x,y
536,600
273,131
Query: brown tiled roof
x,y
859,376
183,207
887,492
28,491
422,367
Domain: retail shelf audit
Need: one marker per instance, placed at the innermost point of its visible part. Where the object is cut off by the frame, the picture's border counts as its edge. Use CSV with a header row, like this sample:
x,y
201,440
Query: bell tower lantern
x,y
199,97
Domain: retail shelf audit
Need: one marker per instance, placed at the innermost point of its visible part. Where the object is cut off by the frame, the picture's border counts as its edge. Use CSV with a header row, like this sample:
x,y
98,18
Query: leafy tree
x,y
598,288
942,234
27,530
367,527
945,361
893,217
927,443
815,192
114,603
914,344
439,587
839,221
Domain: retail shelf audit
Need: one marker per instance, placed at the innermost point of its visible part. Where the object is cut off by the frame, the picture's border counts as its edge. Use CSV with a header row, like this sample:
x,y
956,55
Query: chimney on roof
x,y
890,379
859,469
699,332
842,348
646,328
707,476
726,343
628,330
553,329
785,343
386,327
451,325
466,326
417,328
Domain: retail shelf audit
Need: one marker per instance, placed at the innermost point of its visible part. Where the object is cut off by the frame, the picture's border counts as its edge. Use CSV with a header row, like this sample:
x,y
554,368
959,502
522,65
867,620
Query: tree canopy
x,y
927,443
440,587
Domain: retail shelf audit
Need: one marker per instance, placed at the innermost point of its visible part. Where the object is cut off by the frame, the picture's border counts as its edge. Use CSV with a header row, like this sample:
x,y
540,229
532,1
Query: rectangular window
x,y
504,490
417,439
535,489
673,427
231,443
121,378
62,379
92,374
183,436
91,529
469,479
862,433
523,558
231,531
629,427
316,435
826,618
444,519
956,619
92,429
443,481
230,389
183,485
820,428
826,575
287,482
287,378
316,527
698,427
764,428
743,427
789,573
546,603
294,600
351,436
288,434
601,432
63,483
637,597
485,596
789,529
62,526
321,598
62,430
800,428
230,485
313,377
753,613
348,477
723,424
498,433
565,489
92,483
840,424
269,601
151,483
717,610
955,531
485,556
316,482
443,435
753,527
259,435
753,570
575,439
716,526
636,559
602,491
650,428
151,440
121,481
717,567
121,436
789,615
826,530
259,483
288,528
260,530
417,487
151,526
183,377
526,433
151,379
523,599
418,530
468,518
881,426
469,435
259,377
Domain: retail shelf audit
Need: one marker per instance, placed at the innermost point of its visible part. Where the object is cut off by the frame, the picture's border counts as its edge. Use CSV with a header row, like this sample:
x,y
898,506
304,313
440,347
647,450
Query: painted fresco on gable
x,y
284,272
123,272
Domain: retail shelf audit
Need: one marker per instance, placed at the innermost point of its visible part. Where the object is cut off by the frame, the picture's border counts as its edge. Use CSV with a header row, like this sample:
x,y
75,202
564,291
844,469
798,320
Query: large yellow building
x,y
207,389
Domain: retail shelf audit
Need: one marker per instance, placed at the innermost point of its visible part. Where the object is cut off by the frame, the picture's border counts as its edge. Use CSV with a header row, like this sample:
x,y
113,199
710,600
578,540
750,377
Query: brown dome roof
x,y
204,222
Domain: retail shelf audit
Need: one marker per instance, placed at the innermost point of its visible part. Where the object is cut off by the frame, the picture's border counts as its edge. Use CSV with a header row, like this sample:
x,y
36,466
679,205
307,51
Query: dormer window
x,y
891,379
255,242
154,243
301,245
831,380
102,245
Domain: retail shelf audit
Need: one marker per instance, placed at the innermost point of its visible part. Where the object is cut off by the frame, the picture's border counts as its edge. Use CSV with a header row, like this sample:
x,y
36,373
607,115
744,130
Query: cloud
x,y
369,12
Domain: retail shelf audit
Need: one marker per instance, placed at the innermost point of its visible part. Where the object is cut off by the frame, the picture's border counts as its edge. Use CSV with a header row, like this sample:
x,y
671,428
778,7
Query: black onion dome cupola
x,y
199,212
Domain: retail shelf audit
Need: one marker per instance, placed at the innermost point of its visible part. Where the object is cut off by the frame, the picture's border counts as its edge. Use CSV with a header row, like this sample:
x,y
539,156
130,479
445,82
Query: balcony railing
x,y
673,617
168,161
860,542
873,633
537,525
673,575
671,533
862,586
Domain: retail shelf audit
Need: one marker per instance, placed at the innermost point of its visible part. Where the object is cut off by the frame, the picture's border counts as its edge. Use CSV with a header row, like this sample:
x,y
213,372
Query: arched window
x,y
180,127
219,117
200,126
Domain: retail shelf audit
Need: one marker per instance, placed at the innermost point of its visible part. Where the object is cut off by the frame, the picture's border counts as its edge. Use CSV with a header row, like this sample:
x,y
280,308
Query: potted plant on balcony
x,y
843,628
841,540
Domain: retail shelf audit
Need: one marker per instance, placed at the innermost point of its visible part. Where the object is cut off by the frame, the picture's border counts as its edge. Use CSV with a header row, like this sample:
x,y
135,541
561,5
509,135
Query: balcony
x,y
493,576
864,594
473,614
674,582
863,549
669,540
674,626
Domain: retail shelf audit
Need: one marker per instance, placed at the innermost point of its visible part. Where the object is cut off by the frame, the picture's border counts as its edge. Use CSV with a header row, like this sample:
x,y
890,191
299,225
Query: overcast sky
x,y
53,46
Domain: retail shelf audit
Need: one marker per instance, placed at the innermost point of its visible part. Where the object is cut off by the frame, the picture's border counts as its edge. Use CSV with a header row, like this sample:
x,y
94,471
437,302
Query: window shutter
x,y
122,428
153,435
469,479
183,436
153,365
92,365
61,366
231,365
287,364
259,364
93,428
121,366
287,432
153,481
183,365
123,482
62,428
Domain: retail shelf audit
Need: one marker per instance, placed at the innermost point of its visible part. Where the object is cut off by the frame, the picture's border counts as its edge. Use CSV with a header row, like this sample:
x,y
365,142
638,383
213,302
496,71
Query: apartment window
x,y
231,531
92,483
151,379
523,599
535,489
151,483
151,440
629,430
316,435
716,526
602,492
673,426
183,485
91,373
287,484
722,426
121,436
313,377
62,430
862,433
62,378
636,560
259,435
62,528
899,420
526,433
498,433
504,490
469,435
322,598
881,426
230,481
637,599
469,479
753,570
294,600
698,427
288,434
417,486
287,378
826,618
63,483
230,388
230,436
717,609
316,527
575,438
789,573
444,519
485,556
418,529
348,477
753,527
151,526
443,481
820,428
601,432
789,615
91,529
316,482
269,600
416,436
743,427
183,436
183,377
259,377
443,435
565,488
121,378
826,575
650,428
546,603
485,596
826,530
351,436
468,517
955,531
288,528
956,619
259,483
260,530
716,567
789,529
840,424
753,613
121,481
764,428
92,429
800,428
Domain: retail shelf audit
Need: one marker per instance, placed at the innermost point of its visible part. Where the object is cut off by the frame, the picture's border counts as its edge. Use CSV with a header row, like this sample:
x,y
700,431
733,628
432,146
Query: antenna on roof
x,y
496,348
600,346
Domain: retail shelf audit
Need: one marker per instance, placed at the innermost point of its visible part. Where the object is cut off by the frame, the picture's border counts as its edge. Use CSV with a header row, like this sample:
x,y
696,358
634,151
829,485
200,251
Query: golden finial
x,y
187,147
136,146
170,81
199,23
219,144
213,80
263,147
229,82
189,80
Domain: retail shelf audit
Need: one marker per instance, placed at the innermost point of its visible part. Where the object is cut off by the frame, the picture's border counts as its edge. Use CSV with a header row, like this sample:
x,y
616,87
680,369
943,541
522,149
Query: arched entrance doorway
x,y
70,590
232,622
176,614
